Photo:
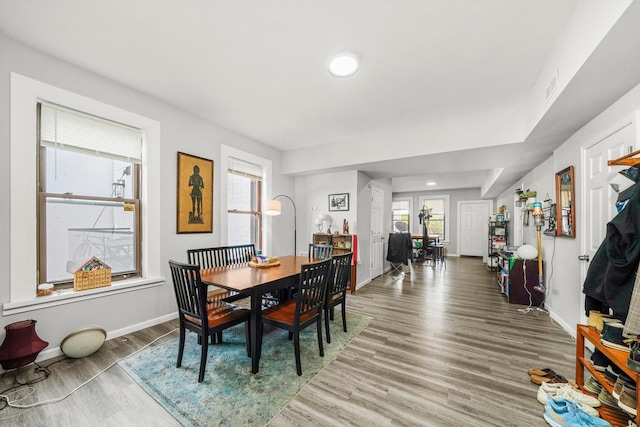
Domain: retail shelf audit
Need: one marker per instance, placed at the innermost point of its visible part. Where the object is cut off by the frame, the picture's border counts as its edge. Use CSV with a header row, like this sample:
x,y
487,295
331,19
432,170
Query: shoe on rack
x,y
600,361
607,400
612,336
633,361
617,388
611,374
628,399
592,386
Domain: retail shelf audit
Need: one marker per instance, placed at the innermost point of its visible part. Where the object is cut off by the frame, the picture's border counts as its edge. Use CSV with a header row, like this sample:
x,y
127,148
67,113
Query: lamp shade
x,y
527,252
21,344
273,207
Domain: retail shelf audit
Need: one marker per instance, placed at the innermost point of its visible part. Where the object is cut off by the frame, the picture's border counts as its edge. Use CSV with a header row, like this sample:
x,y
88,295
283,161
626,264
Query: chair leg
x,y
332,312
326,324
247,332
319,328
296,349
203,360
344,316
180,348
260,333
220,337
290,336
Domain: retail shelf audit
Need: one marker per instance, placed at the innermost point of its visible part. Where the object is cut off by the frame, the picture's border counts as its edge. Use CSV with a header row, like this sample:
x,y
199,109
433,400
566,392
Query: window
x,y
400,214
244,189
438,208
88,194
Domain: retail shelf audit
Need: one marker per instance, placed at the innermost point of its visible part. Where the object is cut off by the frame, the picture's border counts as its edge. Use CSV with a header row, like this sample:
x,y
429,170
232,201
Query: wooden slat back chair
x,y
320,250
297,314
196,314
220,257
336,294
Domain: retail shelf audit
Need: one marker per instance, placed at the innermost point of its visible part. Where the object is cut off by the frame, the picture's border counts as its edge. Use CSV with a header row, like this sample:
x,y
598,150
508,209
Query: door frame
x,y
382,242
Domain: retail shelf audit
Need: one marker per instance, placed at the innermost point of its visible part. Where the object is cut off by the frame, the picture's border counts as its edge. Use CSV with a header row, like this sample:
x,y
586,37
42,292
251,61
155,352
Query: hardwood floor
x,y
444,349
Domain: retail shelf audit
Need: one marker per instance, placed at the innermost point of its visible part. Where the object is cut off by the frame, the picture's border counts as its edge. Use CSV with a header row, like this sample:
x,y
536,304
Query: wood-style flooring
x,y
444,349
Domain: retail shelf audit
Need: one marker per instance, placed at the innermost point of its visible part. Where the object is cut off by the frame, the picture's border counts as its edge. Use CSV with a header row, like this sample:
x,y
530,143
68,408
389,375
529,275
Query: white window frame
x,y
447,212
412,225
25,94
228,153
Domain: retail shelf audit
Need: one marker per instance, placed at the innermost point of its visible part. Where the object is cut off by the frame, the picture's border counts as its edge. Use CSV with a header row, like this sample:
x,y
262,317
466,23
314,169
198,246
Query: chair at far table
x,y
196,314
297,314
320,250
336,294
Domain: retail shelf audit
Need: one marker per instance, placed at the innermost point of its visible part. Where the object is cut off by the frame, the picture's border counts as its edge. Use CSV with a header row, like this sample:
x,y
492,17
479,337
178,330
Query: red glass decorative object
x,y
21,344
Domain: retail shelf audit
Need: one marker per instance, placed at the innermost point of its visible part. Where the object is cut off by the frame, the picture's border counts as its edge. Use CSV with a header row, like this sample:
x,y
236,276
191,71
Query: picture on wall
x,y
195,194
339,202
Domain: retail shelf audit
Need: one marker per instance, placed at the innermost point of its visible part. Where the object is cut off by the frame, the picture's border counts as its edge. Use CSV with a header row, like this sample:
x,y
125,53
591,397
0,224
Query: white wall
x,y
563,274
180,131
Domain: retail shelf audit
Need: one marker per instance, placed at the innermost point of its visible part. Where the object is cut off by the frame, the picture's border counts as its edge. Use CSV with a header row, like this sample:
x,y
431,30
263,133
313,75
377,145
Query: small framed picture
x,y
339,202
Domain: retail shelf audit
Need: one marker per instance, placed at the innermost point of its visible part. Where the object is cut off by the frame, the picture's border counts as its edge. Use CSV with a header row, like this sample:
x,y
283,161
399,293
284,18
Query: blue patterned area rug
x,y
230,395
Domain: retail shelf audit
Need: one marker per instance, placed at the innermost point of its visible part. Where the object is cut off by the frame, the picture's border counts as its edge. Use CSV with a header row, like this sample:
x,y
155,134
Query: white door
x,y
598,198
472,235
377,219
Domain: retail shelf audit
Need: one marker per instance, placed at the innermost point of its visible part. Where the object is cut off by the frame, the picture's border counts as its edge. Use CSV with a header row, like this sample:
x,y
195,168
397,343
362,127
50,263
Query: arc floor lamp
x,y
274,207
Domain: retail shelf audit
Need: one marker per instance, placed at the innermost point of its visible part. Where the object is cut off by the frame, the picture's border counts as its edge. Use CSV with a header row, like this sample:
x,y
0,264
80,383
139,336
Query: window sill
x,y
69,296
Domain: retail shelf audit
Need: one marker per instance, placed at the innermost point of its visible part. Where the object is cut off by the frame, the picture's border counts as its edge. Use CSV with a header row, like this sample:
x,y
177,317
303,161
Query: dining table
x,y
255,281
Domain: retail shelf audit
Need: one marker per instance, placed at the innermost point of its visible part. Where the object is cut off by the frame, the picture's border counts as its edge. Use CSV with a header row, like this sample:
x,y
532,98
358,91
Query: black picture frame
x,y
339,202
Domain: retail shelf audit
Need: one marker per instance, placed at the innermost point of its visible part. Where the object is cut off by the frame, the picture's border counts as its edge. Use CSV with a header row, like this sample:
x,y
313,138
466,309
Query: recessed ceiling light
x,y
343,65
431,183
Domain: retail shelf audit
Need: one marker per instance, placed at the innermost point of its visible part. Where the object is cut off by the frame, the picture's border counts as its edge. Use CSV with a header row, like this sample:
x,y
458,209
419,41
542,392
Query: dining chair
x,y
197,314
320,250
221,256
339,281
302,311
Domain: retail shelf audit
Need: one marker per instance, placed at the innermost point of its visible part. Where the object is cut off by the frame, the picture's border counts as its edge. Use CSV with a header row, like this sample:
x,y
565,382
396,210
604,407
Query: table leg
x,y
256,320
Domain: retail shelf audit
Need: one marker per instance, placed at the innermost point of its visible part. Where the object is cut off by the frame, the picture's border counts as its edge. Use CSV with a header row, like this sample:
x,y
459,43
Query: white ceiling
x,y
259,68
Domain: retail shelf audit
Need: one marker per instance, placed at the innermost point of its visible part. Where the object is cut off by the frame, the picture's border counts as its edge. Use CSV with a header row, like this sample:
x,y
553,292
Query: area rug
x,y
230,395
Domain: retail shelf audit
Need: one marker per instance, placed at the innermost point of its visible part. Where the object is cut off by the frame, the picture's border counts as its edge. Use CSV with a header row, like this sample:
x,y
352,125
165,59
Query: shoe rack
x,y
617,357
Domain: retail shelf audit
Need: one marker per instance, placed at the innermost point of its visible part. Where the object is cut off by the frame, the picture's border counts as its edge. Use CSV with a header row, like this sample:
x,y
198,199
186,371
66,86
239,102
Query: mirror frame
x,y
559,230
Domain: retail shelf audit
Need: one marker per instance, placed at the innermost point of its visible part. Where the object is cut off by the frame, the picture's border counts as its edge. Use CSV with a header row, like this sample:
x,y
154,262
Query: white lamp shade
x,y
527,252
273,207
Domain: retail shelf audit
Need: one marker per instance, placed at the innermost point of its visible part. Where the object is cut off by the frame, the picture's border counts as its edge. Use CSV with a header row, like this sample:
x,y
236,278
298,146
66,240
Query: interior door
x,y
377,220
472,236
598,198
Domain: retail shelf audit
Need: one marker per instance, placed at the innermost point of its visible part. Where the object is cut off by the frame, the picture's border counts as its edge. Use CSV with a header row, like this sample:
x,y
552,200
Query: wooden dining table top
x,y
243,277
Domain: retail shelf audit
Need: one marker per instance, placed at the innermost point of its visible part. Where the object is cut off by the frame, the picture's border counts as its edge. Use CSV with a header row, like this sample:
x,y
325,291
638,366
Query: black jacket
x,y
612,271
400,248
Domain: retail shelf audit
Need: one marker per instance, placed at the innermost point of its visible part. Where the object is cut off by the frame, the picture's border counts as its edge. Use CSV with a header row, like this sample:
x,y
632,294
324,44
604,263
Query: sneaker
x,y
607,400
592,386
611,374
578,397
633,361
617,388
562,413
612,336
600,361
628,399
549,389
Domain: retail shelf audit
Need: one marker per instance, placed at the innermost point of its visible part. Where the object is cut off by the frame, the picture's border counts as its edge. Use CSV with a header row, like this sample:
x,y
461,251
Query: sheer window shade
x,y
241,167
72,130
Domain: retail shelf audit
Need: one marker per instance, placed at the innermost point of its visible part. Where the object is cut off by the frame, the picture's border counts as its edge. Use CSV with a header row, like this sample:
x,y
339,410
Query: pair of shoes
x,y
592,386
561,412
566,391
617,388
628,398
541,372
612,336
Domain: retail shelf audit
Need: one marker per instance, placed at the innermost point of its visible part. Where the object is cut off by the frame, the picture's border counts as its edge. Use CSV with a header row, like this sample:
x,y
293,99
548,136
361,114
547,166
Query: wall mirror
x,y
565,205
